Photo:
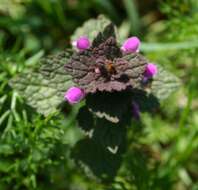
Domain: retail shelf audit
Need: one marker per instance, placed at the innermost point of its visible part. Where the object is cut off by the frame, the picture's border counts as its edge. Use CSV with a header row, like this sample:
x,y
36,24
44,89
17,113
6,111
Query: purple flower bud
x,y
74,95
131,45
151,70
82,43
135,110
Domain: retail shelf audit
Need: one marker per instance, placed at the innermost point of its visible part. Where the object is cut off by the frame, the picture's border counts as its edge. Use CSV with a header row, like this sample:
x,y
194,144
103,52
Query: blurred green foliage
x,y
161,152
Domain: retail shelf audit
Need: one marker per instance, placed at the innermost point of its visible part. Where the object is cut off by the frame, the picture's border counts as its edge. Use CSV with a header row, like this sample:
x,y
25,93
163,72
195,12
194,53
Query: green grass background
x,y
35,151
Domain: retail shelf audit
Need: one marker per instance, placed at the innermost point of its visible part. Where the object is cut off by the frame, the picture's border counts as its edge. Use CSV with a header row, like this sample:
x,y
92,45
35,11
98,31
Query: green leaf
x,y
110,106
6,149
95,29
87,124
96,161
136,161
164,83
108,31
5,166
44,87
111,136
146,101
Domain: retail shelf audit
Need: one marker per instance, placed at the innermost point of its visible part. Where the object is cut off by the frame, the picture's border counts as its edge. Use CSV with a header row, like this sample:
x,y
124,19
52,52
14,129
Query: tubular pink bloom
x,y
151,70
82,43
74,95
131,45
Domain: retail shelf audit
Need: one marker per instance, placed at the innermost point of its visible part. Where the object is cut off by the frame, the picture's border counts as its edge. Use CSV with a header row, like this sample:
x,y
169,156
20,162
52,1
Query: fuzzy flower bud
x,y
151,70
82,43
131,45
74,95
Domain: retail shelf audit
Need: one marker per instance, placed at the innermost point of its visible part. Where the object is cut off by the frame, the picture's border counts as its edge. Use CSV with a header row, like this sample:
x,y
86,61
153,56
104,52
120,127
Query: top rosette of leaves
x,y
104,67
113,78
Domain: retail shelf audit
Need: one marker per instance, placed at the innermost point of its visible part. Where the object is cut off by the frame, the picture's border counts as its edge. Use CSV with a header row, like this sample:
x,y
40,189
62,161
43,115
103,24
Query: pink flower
x,y
74,95
151,70
82,43
131,45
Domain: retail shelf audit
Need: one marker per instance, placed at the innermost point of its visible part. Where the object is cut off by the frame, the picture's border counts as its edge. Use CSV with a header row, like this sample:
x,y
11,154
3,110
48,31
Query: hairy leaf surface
x,y
96,30
104,68
164,84
44,88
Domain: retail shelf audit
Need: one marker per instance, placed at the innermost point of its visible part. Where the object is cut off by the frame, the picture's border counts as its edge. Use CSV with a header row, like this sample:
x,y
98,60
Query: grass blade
x,y
133,16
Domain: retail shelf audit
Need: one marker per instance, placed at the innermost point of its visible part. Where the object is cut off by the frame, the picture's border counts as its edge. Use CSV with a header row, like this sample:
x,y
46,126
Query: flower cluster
x,y
113,78
107,67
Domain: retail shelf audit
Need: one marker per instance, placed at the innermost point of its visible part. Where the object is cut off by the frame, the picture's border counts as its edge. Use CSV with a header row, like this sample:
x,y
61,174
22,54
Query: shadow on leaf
x,y
95,160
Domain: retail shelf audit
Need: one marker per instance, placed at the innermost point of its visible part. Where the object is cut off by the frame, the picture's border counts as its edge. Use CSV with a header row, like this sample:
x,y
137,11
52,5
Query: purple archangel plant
x,y
114,81
104,68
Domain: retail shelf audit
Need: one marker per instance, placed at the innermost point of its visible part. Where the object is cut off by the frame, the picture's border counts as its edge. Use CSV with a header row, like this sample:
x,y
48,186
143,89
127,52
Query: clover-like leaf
x,y
44,87
95,29
164,83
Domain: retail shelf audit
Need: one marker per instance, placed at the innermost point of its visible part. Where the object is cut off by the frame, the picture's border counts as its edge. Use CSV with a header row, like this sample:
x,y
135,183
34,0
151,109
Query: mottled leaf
x,y
53,65
44,88
164,83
